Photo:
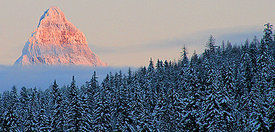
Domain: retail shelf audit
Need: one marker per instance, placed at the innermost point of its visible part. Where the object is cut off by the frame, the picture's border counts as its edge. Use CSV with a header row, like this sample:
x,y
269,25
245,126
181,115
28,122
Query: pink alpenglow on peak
x,y
56,41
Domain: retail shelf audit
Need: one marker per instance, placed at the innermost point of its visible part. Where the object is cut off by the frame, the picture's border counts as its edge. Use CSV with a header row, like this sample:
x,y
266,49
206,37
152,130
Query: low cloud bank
x,y
235,35
42,77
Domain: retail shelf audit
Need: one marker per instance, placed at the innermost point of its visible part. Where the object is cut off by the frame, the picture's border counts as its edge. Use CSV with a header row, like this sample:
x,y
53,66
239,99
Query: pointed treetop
x,y
73,81
184,58
211,44
55,84
94,77
268,34
151,65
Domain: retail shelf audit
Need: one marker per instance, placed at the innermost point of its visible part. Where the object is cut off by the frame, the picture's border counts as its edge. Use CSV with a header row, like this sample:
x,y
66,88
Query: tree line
x,y
226,88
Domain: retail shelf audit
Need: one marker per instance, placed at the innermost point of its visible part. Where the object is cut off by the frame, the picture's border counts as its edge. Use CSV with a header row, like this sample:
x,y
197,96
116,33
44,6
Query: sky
x,y
130,32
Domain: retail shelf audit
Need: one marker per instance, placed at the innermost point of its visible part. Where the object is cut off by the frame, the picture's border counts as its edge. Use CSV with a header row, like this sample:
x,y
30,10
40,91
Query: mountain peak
x,y
53,14
54,8
56,41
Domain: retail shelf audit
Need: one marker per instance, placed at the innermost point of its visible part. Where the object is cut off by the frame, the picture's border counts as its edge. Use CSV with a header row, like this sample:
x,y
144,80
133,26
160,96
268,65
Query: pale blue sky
x,y
129,32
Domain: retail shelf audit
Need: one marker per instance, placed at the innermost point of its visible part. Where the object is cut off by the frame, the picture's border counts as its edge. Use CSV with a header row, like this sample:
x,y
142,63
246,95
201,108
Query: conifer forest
x,y
229,87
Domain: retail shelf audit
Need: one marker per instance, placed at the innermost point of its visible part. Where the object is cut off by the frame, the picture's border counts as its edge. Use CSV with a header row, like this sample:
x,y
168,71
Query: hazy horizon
x,y
128,33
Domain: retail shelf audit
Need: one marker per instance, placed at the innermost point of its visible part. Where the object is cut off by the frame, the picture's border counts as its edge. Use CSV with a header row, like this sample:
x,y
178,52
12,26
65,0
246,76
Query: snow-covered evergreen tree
x,y
73,112
10,117
58,111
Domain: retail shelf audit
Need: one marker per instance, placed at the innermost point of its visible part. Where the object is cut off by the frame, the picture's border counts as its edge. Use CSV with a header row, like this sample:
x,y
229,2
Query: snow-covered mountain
x,y
56,41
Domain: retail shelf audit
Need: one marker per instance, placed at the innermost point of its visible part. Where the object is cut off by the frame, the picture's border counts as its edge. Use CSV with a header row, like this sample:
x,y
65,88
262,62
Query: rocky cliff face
x,y
56,41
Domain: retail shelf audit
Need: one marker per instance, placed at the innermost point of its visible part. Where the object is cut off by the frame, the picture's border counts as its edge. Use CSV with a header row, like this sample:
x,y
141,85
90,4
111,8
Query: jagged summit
x,y
53,14
56,41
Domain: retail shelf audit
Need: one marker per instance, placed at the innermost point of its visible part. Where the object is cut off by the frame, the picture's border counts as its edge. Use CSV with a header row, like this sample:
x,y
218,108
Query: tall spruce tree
x,y
58,111
73,121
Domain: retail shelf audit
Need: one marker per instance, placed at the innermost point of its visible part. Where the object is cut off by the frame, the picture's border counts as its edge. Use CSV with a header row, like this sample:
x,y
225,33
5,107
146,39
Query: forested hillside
x,y
227,88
